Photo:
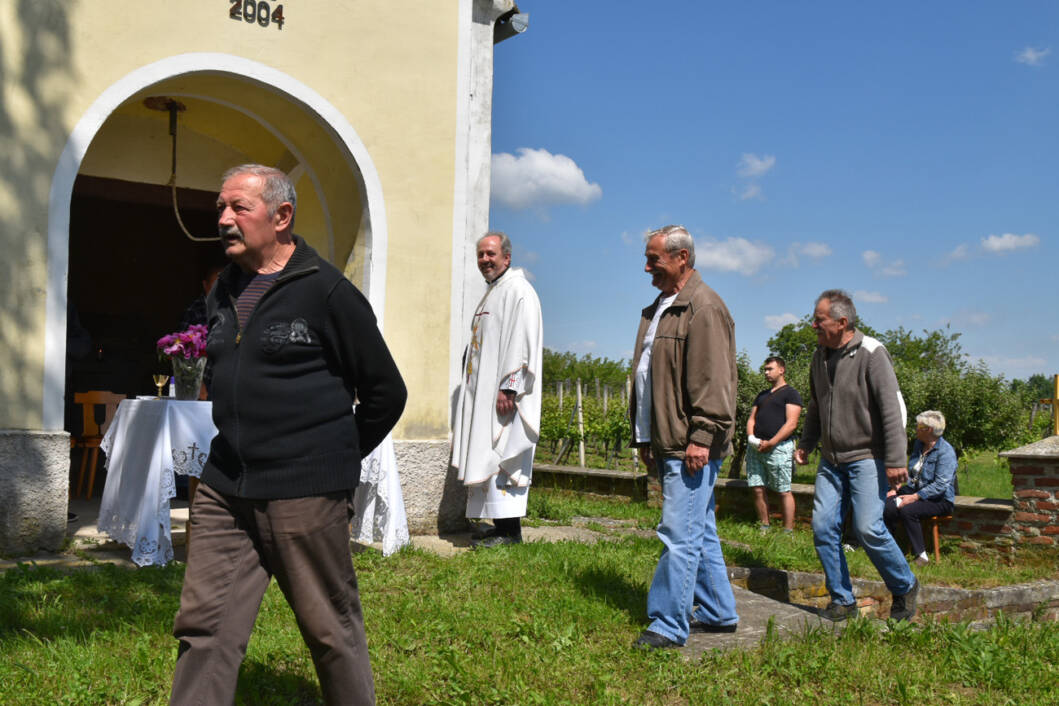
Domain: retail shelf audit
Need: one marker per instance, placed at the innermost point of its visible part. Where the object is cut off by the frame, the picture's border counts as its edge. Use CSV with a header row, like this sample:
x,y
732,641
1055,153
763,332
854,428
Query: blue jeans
x,y
691,571
863,485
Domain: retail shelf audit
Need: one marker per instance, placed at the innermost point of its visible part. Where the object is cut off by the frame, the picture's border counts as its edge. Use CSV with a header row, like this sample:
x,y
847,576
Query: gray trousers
x,y
238,546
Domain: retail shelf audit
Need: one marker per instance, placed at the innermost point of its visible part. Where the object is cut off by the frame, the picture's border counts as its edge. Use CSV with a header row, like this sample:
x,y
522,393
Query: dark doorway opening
x,y
132,275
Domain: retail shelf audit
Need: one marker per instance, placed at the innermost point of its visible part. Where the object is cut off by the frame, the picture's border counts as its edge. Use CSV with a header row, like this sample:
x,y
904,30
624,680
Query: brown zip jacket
x,y
693,374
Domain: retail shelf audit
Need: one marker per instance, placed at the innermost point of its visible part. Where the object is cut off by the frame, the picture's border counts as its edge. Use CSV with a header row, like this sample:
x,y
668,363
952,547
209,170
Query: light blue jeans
x,y
862,485
691,571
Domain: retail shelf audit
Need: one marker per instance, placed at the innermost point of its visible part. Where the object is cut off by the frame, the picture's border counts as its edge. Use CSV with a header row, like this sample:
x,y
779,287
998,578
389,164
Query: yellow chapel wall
x,y
389,68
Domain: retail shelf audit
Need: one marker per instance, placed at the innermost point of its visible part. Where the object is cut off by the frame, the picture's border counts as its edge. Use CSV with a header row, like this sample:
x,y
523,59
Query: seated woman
x,y
929,490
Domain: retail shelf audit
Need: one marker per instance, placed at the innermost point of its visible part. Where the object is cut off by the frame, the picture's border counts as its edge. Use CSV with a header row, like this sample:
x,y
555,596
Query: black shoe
x,y
837,611
483,531
71,517
904,607
495,541
653,641
699,626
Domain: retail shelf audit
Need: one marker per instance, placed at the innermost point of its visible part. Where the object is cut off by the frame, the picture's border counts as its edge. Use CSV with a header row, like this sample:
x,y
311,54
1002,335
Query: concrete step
x,y
603,481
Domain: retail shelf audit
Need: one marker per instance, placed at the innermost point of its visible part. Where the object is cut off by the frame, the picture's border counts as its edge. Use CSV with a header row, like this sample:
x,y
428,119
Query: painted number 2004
x,y
253,11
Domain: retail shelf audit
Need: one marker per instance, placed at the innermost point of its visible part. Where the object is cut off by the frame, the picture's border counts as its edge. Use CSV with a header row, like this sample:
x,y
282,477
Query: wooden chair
x,y
92,431
930,524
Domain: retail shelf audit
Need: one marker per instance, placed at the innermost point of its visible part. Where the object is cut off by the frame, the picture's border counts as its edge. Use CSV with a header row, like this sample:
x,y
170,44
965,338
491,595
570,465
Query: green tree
x,y
982,411
751,382
566,366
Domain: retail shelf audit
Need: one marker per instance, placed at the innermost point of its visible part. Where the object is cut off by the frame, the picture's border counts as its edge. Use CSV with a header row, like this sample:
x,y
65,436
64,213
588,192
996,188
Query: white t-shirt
x,y
642,423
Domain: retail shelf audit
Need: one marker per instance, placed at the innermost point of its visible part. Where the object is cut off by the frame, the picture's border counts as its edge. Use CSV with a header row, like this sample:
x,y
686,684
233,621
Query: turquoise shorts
x,y
771,469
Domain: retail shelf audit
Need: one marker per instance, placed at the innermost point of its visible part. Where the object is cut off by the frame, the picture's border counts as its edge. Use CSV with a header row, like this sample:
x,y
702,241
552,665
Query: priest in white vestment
x,y
498,407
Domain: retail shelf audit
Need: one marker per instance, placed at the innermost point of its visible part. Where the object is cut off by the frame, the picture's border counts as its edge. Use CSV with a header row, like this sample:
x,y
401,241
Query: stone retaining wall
x,y
1037,600
1030,517
977,522
1035,477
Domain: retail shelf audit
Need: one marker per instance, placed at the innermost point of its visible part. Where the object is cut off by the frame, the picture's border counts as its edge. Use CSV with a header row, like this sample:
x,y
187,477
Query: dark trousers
x,y
239,546
909,515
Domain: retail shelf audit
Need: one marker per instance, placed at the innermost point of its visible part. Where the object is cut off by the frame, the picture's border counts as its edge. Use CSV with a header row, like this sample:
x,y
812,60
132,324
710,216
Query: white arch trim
x,y
85,131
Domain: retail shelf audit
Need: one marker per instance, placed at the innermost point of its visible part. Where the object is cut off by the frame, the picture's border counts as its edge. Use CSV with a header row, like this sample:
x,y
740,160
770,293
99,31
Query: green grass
x,y
795,552
530,624
981,474
984,475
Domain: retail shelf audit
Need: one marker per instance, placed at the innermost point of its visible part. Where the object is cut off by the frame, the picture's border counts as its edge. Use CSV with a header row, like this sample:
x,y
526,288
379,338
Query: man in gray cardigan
x,y
857,415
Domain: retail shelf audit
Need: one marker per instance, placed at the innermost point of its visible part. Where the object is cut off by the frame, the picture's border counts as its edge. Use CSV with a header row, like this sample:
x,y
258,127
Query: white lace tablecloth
x,y
148,442
378,502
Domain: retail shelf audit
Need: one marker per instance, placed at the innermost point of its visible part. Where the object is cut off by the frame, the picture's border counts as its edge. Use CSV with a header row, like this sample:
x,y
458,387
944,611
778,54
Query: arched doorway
x,y
237,111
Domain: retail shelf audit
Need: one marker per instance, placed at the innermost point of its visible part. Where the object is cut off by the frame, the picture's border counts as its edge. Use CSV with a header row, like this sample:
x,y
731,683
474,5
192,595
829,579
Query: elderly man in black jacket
x,y
292,344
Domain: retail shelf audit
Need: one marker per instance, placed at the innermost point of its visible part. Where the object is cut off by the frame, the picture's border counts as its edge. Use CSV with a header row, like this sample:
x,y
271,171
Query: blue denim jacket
x,y
938,472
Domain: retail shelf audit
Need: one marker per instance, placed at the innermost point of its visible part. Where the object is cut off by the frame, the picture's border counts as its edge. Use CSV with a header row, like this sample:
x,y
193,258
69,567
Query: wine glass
x,y
160,381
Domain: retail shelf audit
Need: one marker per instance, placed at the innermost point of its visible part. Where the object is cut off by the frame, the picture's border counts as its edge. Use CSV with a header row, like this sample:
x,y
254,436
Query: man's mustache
x,y
230,231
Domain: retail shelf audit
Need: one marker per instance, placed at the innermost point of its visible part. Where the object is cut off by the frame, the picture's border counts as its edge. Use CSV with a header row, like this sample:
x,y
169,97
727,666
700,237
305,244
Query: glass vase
x,y
187,377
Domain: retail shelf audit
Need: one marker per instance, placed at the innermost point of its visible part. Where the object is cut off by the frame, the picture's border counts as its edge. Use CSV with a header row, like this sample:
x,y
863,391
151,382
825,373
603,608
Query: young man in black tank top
x,y
770,456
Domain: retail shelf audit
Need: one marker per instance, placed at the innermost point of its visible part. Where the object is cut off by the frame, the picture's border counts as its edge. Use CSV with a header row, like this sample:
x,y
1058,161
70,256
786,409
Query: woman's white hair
x,y
932,419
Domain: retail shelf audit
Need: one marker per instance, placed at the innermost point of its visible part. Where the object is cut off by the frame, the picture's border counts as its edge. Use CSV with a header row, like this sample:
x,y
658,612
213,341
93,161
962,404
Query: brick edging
x,y
1036,599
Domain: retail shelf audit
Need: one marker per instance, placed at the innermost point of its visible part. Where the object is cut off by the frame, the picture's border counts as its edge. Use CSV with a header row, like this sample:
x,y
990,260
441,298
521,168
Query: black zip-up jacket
x,y
283,388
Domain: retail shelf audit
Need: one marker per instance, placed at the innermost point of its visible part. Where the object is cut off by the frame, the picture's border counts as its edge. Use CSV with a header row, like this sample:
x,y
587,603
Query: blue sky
x,y
906,152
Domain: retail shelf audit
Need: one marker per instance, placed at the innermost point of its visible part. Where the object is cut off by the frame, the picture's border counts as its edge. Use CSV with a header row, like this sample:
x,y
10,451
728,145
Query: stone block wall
x,y
1035,477
1036,600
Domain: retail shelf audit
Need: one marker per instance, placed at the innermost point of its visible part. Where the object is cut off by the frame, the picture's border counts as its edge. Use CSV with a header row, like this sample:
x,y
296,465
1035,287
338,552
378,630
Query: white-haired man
x,y
857,415
683,419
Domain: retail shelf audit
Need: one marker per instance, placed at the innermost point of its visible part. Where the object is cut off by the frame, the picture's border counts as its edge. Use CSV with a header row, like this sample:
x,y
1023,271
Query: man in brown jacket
x,y
683,418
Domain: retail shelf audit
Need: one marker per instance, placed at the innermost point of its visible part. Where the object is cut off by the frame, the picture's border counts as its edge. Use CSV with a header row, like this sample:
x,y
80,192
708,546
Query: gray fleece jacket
x,y
862,414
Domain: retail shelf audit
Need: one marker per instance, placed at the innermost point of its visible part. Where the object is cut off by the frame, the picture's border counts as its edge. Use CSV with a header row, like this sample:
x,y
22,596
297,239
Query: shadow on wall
x,y
30,141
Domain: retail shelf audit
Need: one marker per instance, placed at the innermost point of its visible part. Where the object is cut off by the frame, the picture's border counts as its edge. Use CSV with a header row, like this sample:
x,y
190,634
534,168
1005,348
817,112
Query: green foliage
x,y
934,350
983,474
1035,387
982,411
560,367
606,433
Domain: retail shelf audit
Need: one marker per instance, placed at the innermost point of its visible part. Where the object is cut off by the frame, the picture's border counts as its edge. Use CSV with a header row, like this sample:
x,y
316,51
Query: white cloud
x,y
874,261
630,239
732,255
1031,56
1015,366
894,269
538,178
870,297
582,347
752,191
751,166
968,317
815,250
774,322
960,252
1009,242
529,257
